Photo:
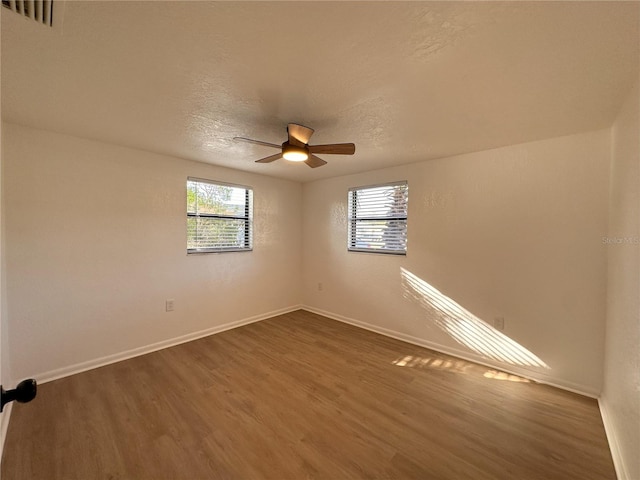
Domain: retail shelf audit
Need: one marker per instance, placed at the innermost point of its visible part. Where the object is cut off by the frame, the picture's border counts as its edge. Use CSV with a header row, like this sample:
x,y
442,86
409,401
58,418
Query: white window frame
x,y
247,240
355,242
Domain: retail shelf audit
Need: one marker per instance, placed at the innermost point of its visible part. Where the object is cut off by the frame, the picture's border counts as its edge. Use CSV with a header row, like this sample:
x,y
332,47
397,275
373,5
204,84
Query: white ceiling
x,y
405,82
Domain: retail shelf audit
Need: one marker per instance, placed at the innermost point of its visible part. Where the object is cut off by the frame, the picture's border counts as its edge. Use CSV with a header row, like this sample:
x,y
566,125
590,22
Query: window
x,y
378,218
219,217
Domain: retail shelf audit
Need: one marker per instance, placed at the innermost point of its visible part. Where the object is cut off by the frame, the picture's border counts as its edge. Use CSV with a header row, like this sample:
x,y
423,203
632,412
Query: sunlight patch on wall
x,y
464,327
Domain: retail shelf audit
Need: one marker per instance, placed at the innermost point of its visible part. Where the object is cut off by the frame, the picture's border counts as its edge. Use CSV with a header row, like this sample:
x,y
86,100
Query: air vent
x,y
39,10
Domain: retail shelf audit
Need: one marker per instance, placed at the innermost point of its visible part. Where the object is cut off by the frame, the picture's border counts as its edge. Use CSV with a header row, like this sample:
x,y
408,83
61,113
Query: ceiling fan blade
x,y
270,158
299,132
334,149
314,161
256,142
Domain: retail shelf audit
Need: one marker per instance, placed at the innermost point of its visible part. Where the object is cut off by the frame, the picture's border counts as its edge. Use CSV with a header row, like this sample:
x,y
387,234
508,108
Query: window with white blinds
x,y
219,217
378,218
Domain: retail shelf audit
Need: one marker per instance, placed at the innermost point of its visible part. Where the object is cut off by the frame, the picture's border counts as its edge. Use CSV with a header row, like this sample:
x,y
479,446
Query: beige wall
x,y
96,242
513,232
4,378
620,400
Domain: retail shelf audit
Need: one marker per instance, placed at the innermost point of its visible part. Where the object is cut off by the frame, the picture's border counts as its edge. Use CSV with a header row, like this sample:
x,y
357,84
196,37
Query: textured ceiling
x,y
405,82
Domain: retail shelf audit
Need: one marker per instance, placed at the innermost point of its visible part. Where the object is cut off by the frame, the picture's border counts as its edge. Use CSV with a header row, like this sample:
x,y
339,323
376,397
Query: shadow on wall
x,y
464,327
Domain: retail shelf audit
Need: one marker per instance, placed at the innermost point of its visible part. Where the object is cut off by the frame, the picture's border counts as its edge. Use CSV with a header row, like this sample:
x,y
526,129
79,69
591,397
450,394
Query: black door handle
x,y
23,393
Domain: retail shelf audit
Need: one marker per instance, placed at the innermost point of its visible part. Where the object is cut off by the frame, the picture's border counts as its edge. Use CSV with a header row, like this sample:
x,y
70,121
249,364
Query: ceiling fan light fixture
x,y
297,148
294,153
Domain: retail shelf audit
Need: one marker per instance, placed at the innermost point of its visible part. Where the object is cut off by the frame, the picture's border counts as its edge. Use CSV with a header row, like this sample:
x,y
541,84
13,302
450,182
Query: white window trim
x,y
351,221
248,218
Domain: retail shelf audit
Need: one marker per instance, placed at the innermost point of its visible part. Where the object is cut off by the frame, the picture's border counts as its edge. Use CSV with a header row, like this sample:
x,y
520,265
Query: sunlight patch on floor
x,y
464,327
453,365
498,375
413,361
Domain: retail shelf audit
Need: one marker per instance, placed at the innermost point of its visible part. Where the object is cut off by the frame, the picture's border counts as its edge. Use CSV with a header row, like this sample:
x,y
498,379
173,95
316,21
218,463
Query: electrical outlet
x,y
498,322
320,286
168,304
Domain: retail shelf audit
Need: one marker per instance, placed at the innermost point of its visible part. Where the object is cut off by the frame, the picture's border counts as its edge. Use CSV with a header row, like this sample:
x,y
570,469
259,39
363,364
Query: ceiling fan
x,y
297,148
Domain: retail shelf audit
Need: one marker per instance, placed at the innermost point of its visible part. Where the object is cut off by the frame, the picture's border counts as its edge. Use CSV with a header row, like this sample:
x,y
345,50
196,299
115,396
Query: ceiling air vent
x,y
39,10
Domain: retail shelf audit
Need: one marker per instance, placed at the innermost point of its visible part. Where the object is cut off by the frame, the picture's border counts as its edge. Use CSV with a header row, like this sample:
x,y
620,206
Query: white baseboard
x,y
136,352
522,372
614,446
4,425
51,375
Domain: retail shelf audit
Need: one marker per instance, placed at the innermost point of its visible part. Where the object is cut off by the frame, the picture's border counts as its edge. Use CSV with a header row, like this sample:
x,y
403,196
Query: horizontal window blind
x,y
378,218
219,217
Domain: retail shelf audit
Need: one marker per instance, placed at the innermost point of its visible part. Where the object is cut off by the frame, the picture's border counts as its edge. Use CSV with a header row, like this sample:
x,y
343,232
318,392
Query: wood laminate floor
x,y
301,396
